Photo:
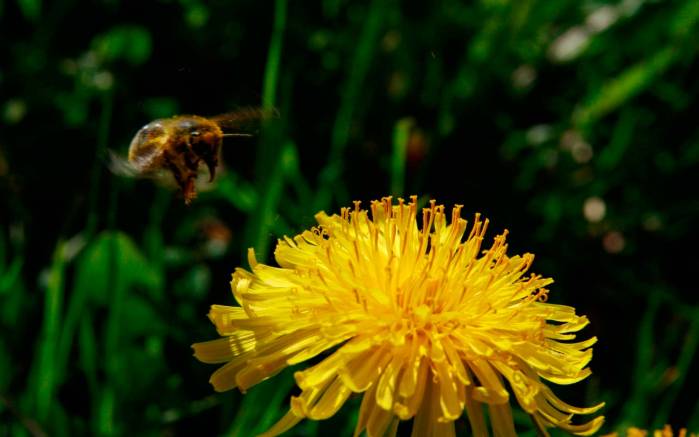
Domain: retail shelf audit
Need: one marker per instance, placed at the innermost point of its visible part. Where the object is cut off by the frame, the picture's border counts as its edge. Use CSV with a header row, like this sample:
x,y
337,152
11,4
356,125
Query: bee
x,y
180,144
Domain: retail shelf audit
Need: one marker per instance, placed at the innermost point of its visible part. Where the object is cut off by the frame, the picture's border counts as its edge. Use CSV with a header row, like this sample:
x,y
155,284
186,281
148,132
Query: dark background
x,y
573,124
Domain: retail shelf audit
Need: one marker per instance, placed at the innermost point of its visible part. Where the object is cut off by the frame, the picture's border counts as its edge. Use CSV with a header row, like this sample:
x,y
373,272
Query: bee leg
x,y
175,170
211,162
208,153
189,159
184,179
189,193
196,154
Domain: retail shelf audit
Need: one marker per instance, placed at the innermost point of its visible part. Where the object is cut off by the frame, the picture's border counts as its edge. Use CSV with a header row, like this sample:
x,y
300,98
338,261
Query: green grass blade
x,y
45,375
352,90
269,179
269,89
88,362
687,354
401,136
267,210
97,166
635,406
253,420
627,85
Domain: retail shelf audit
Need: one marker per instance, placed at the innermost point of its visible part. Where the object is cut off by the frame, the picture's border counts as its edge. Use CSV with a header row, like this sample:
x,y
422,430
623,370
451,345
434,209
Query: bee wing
x,y
121,166
244,120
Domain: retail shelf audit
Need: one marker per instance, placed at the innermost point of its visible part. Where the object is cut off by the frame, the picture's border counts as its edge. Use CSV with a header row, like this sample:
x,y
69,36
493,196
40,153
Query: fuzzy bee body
x,y
180,144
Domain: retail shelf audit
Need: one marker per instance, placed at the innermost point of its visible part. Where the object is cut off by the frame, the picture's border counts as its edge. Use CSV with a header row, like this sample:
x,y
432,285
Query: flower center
x,y
421,316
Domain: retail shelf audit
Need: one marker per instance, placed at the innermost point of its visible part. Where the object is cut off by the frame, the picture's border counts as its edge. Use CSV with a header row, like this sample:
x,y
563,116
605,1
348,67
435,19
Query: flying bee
x,y
180,144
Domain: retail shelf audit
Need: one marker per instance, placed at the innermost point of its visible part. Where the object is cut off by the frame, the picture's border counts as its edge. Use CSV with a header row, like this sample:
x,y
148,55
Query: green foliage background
x,y
105,282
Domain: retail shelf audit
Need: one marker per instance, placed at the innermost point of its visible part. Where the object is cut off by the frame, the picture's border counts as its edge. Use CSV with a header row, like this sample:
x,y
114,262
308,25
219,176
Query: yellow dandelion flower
x,y
419,320
665,432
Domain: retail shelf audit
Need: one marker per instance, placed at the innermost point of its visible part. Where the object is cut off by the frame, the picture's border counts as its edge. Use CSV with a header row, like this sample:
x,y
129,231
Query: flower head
x,y
419,319
665,432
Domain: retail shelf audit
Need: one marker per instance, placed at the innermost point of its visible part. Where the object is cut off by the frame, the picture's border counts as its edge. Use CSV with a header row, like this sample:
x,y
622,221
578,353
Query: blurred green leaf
x,y
105,413
252,420
271,77
88,353
6,368
109,265
73,107
197,15
610,156
401,136
682,368
196,282
44,373
637,403
139,318
690,156
124,43
160,107
238,192
292,169
11,274
264,217
694,417
109,255
624,87
364,51
684,23
31,9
